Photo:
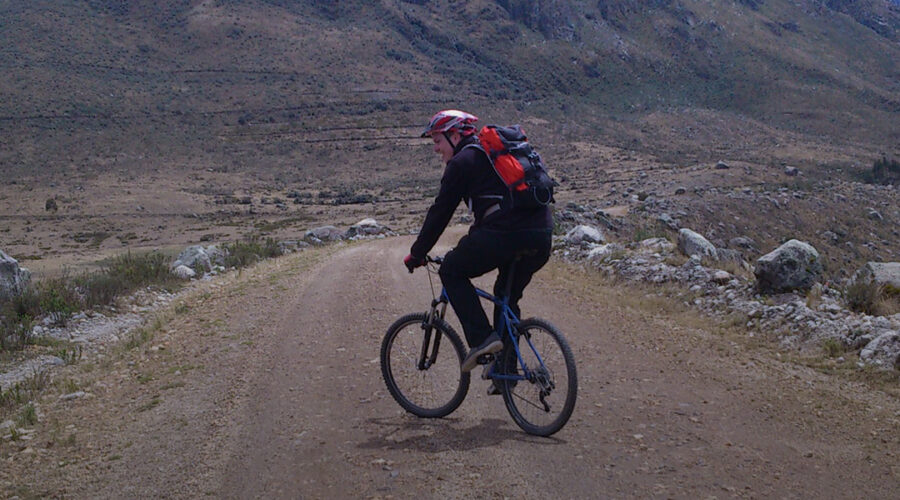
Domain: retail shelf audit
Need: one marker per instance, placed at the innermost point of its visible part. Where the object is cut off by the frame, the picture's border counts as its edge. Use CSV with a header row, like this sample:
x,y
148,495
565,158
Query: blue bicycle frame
x,y
508,323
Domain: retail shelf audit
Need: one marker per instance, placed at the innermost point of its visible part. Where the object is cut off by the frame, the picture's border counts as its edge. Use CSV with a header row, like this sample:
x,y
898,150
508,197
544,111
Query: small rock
x,y
691,243
601,252
71,396
721,277
184,272
584,234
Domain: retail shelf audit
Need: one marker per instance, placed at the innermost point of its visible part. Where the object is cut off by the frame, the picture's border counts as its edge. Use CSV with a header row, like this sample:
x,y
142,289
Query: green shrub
x,y
862,296
124,274
244,253
24,391
60,297
101,288
648,230
28,416
871,298
15,331
884,171
136,271
833,347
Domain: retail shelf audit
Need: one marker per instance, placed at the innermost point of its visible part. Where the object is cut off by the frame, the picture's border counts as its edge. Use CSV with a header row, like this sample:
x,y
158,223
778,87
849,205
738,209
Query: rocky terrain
x,y
131,127
799,311
210,397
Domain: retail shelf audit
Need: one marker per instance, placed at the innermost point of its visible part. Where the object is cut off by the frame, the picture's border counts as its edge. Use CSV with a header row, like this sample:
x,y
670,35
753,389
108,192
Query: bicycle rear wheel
x,y
543,403
420,365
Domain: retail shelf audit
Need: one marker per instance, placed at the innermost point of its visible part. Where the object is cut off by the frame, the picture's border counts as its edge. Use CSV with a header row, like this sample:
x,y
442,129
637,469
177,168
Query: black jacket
x,y
469,176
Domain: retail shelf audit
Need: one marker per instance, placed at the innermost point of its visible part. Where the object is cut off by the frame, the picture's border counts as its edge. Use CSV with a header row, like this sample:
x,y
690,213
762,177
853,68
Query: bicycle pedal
x,y
486,372
485,359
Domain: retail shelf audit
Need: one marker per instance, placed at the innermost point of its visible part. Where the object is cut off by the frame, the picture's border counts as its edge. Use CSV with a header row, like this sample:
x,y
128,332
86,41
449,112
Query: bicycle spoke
x,y
530,403
543,403
421,371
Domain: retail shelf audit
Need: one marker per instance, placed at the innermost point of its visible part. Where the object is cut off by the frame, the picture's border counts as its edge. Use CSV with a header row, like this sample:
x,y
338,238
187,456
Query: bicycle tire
x,y
433,392
522,397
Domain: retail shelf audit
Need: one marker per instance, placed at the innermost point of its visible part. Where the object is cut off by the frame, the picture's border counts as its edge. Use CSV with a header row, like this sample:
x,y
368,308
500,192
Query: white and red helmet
x,y
451,119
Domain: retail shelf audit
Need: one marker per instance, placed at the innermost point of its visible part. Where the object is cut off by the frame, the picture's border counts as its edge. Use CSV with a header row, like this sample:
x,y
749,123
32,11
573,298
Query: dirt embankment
x,y
267,384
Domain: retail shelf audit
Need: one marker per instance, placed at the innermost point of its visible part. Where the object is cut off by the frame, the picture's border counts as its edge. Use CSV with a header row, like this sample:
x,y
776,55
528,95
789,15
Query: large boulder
x,y
691,243
184,272
366,227
743,244
324,234
795,265
584,234
655,245
13,278
883,351
600,253
199,258
886,274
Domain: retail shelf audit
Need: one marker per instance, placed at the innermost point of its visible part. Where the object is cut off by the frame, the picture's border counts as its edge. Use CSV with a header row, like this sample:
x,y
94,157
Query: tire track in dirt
x,y
664,408
326,425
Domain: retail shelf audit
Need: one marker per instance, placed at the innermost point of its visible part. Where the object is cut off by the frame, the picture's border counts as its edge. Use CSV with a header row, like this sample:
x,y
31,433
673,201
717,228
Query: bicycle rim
x,y
431,392
543,405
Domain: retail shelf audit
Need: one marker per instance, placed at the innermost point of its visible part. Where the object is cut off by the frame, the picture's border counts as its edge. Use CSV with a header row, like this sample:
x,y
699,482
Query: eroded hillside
x,y
153,123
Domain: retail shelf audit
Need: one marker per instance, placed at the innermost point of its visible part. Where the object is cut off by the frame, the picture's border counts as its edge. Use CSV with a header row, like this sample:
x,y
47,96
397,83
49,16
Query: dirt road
x,y
267,385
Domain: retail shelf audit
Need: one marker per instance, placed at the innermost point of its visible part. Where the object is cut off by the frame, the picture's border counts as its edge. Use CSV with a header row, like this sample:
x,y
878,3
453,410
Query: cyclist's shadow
x,y
437,435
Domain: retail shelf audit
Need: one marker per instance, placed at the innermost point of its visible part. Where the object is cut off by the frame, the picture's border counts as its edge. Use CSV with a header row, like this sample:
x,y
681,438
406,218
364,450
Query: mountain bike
x,y
535,372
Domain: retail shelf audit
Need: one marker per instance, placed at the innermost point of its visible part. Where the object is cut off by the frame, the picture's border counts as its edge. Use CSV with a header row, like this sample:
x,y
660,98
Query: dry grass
x,y
59,298
871,298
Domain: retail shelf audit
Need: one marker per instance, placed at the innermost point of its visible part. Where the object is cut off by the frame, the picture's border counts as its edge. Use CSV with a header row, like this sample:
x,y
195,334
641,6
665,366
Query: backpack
x,y
518,165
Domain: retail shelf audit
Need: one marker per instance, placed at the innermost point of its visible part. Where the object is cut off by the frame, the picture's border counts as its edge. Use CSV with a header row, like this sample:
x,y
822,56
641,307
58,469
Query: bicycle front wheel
x,y
543,402
420,365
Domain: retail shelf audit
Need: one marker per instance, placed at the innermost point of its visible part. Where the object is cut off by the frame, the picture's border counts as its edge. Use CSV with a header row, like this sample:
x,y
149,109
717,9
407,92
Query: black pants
x,y
482,251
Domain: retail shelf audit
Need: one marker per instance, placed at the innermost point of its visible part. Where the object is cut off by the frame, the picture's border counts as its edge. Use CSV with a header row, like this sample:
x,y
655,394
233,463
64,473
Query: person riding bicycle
x,y
497,236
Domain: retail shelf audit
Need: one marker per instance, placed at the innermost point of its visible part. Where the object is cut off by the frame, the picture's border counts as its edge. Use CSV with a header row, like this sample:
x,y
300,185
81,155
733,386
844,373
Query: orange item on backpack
x,y
506,165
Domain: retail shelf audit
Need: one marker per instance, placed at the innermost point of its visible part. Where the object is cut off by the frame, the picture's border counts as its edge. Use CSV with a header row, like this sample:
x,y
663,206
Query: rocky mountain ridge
x,y
182,73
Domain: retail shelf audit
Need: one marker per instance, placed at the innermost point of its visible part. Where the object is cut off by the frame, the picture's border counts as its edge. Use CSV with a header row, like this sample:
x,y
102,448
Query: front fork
x,y
437,311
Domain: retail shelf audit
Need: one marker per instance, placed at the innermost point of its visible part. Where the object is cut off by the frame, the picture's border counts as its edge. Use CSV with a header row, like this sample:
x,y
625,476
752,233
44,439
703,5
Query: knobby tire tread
x,y
450,340
571,390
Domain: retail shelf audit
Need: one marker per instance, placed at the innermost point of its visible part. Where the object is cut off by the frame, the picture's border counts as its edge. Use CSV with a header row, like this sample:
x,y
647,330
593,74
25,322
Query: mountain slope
x,y
163,118
180,73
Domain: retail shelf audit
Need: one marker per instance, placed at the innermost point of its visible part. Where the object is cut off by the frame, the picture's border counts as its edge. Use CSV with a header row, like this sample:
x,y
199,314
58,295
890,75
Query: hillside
x,y
160,113
182,73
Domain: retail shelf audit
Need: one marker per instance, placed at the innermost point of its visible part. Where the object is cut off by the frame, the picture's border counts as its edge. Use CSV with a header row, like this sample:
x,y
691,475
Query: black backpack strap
x,y
477,146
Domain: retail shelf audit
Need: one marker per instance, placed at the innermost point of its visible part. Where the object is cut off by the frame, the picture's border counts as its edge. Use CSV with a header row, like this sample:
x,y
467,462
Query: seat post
x,y
512,269
507,291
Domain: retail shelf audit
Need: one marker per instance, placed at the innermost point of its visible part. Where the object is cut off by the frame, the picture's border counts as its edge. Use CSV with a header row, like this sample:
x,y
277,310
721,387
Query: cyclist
x,y
497,235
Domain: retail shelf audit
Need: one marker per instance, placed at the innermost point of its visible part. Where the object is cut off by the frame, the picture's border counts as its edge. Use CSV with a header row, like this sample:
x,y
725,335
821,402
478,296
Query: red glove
x,y
412,262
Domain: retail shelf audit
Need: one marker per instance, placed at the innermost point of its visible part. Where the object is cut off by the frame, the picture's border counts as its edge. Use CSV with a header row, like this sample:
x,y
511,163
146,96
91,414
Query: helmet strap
x,y
447,136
